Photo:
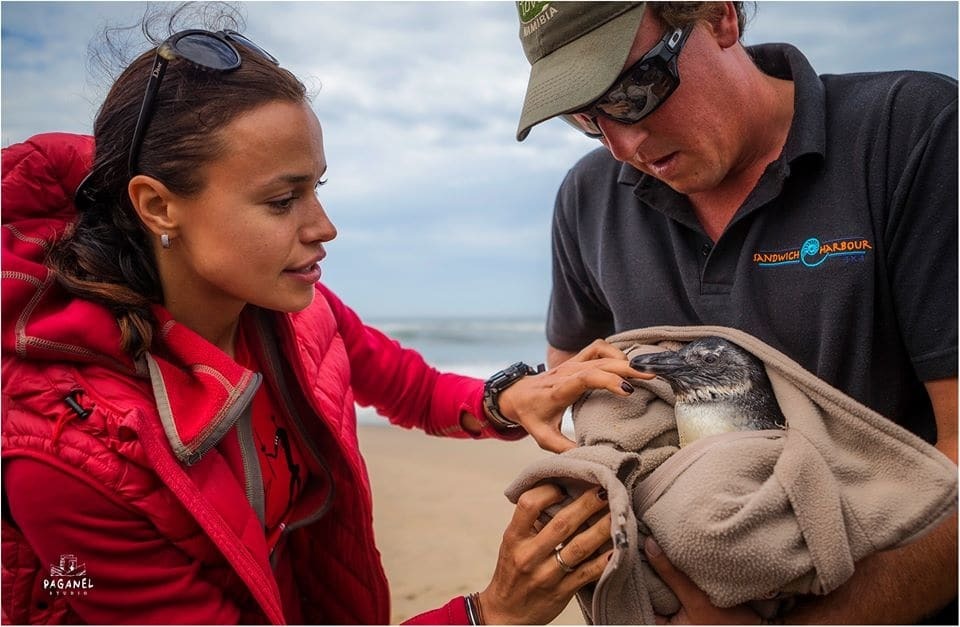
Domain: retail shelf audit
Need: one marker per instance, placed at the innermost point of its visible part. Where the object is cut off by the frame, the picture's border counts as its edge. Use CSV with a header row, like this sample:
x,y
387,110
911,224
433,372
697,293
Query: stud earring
x,y
165,240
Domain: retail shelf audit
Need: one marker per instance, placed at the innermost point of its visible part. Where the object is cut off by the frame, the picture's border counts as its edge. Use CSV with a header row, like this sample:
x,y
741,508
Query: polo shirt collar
x,y
807,131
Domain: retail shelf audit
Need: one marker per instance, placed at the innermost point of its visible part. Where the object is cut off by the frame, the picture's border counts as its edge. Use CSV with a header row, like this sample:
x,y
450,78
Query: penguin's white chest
x,y
698,420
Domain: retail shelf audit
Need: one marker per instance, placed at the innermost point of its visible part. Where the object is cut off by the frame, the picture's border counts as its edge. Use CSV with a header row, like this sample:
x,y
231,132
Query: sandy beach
x,y
439,512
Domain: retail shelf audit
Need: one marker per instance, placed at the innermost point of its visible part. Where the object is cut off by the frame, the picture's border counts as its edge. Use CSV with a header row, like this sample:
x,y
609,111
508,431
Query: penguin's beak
x,y
665,363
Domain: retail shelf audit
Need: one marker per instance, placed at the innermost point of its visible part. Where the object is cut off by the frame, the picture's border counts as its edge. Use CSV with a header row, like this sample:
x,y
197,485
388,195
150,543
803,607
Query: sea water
x,y
476,347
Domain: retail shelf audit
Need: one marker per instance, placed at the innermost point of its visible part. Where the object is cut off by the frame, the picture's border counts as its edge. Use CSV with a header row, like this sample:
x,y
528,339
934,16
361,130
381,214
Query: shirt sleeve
x,y
137,575
453,613
399,383
577,315
921,233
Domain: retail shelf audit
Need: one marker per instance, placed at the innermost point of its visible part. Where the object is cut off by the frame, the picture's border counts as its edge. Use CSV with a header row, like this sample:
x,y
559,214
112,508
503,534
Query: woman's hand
x,y
695,605
530,585
537,402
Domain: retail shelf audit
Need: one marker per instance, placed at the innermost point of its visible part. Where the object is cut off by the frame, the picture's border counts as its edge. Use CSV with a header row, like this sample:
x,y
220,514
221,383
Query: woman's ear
x,y
151,200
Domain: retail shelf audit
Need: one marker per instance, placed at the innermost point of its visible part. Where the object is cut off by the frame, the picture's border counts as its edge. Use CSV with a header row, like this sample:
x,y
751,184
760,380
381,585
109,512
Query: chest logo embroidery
x,y
814,253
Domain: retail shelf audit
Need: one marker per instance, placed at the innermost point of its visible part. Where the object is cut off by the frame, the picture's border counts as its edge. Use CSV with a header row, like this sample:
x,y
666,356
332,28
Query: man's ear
x,y
725,27
151,200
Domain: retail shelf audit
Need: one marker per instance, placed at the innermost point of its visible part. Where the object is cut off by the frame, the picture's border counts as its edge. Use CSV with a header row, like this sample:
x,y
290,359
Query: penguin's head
x,y
705,363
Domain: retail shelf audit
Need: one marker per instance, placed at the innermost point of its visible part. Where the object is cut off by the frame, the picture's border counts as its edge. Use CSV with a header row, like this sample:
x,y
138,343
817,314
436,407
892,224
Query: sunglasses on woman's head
x,y
205,49
639,90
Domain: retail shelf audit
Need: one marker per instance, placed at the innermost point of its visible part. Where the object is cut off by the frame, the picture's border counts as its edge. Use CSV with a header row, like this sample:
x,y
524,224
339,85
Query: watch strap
x,y
496,384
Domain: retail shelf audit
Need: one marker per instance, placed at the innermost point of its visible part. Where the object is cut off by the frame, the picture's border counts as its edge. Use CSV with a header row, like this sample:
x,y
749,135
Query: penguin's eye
x,y
710,358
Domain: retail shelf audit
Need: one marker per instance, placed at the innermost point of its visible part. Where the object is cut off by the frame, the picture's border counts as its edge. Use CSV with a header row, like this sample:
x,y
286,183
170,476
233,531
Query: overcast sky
x,y
440,211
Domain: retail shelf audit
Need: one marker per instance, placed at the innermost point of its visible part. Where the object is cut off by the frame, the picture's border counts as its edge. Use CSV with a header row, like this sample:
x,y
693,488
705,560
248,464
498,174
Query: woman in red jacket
x,y
179,437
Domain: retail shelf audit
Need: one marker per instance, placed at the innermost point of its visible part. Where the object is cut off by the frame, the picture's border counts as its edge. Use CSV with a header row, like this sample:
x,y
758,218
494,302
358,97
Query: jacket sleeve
x,y
137,576
399,383
453,613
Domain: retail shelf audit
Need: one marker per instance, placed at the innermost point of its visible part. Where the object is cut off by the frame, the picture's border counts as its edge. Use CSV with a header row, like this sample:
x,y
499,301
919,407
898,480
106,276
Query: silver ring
x,y
563,565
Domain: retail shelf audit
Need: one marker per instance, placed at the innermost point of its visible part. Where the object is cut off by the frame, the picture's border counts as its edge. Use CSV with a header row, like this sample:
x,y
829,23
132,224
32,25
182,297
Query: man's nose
x,y
623,140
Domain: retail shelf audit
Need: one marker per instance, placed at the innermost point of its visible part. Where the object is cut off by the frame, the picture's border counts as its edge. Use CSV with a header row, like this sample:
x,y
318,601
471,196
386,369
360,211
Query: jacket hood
x,y
40,320
199,390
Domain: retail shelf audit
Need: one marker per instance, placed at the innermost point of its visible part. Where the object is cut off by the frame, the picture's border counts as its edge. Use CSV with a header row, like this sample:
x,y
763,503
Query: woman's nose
x,y
623,140
318,227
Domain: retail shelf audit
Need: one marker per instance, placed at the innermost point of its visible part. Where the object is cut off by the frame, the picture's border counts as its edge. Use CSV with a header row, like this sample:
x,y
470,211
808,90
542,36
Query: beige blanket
x,y
749,516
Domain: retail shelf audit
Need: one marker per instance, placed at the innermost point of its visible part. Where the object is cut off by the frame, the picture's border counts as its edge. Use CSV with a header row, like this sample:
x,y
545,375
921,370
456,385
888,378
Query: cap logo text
x,y
533,15
530,10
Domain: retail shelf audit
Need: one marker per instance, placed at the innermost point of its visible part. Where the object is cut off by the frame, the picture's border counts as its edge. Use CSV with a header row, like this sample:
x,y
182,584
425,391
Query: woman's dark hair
x,y
107,257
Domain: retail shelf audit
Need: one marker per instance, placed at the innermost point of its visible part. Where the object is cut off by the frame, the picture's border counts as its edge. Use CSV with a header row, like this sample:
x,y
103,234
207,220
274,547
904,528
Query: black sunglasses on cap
x,y
204,49
639,90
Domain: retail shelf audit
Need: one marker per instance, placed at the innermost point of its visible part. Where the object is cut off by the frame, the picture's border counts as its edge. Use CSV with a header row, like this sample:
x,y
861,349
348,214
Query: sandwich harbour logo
x,y
533,15
813,253
68,578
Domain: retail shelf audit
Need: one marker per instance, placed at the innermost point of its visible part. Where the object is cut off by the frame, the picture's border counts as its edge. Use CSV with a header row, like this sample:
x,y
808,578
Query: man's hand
x,y
695,605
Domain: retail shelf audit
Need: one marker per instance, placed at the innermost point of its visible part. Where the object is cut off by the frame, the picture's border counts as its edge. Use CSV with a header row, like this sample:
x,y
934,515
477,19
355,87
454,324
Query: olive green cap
x,y
576,50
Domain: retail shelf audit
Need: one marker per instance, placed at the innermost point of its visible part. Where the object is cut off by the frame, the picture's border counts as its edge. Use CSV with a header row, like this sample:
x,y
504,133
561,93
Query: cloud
x,y
440,210
863,36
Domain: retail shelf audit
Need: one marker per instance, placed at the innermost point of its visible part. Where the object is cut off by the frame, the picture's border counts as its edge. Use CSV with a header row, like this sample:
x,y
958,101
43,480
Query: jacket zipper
x,y
270,350
252,472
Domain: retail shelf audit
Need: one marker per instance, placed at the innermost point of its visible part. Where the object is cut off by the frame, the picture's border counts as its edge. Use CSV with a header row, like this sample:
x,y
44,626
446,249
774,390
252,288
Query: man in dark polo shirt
x,y
737,187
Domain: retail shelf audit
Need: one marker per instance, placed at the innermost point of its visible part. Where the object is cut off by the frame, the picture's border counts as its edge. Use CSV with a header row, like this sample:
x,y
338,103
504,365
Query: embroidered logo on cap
x,y
533,15
530,10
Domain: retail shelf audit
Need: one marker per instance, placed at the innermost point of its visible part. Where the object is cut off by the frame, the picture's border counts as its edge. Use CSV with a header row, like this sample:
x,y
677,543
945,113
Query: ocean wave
x,y
368,416
465,331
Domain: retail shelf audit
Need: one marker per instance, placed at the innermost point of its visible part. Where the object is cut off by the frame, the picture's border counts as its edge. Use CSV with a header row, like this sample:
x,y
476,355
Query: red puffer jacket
x,y
155,455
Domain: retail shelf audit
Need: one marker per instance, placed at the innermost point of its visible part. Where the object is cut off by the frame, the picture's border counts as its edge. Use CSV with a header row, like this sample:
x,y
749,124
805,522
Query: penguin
x,y
719,387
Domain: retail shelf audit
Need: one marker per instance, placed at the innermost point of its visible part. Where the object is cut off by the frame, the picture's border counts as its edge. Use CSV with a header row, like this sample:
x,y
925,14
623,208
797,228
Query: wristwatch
x,y
497,383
